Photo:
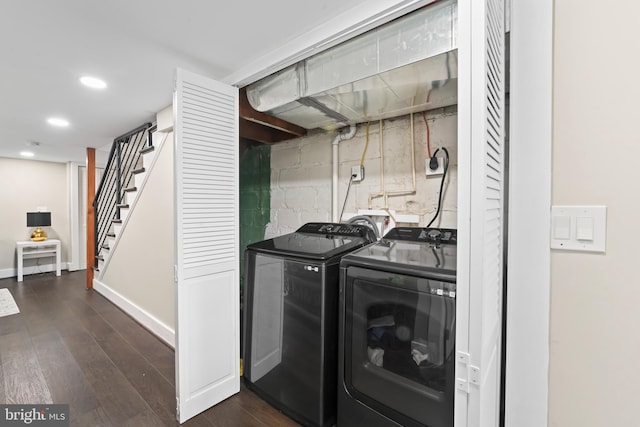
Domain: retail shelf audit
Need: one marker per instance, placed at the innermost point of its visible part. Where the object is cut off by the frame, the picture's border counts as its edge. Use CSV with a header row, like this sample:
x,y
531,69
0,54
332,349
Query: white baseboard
x,y
147,320
35,269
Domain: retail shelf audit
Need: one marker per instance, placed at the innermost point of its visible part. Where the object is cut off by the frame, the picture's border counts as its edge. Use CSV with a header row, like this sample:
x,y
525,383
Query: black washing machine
x,y
291,318
397,331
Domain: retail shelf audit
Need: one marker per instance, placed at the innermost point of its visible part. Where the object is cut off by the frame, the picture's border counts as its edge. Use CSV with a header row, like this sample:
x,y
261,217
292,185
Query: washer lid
x,y
316,246
418,254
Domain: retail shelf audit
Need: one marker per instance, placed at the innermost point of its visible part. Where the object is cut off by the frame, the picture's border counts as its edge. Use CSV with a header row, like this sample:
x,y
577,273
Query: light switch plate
x,y
587,226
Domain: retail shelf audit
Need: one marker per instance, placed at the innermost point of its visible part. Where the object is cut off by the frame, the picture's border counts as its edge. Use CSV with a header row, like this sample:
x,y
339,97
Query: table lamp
x,y
38,220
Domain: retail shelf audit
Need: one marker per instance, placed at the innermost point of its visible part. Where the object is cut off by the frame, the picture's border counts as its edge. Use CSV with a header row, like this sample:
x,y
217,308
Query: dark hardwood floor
x,y
70,345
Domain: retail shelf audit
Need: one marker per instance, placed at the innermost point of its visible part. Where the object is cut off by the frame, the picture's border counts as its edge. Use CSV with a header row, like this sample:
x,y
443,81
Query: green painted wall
x,y
255,195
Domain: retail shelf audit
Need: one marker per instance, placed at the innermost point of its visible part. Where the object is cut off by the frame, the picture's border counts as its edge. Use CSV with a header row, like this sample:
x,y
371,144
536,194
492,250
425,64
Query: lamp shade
x,y
38,219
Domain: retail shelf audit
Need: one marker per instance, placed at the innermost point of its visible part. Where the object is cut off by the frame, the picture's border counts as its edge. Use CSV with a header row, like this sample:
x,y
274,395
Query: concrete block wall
x,y
301,173
300,182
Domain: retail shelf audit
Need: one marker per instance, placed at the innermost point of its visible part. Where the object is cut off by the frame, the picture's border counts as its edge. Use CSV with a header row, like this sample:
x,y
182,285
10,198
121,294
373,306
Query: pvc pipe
x,y
381,192
335,168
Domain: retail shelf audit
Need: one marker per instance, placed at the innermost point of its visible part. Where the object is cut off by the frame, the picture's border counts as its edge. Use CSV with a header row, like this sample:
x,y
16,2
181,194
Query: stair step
x,y
146,150
116,221
113,235
105,246
117,226
138,177
122,206
99,257
147,154
130,194
130,197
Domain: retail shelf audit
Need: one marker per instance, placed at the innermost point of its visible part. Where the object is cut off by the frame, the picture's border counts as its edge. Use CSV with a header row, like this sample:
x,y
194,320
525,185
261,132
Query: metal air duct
x,y
405,66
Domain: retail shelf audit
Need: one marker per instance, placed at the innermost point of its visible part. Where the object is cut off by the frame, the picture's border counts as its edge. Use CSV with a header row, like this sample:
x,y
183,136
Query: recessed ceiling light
x,y
56,121
26,153
93,82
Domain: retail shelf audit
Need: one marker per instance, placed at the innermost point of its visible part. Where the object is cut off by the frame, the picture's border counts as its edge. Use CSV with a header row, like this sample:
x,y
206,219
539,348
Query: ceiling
x,y
135,46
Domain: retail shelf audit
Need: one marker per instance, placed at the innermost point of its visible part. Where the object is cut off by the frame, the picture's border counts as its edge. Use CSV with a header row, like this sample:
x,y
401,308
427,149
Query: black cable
x,y
345,198
444,176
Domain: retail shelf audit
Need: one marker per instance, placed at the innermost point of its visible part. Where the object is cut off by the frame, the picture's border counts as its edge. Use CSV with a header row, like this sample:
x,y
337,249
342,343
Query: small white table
x,y
30,249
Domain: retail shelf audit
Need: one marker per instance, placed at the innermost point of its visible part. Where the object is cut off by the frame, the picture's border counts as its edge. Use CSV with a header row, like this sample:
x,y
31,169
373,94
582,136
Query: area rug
x,y
7,303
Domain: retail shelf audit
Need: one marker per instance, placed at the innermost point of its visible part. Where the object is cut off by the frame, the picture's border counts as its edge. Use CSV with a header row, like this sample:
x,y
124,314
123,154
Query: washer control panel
x,y
332,229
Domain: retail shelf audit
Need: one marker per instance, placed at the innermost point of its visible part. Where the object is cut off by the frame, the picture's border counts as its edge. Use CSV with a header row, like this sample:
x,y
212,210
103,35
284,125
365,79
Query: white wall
x,y
301,173
594,375
24,186
140,271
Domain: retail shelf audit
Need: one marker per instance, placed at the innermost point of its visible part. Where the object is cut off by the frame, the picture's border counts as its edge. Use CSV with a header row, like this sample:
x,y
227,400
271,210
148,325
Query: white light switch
x,y
579,228
584,228
562,227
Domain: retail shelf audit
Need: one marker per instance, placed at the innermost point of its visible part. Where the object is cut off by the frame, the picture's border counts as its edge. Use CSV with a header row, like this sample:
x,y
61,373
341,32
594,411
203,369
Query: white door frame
x,y
77,213
529,256
73,174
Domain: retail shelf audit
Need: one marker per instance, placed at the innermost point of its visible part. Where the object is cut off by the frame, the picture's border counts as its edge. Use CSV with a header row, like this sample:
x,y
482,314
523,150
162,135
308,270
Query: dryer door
x,y
399,346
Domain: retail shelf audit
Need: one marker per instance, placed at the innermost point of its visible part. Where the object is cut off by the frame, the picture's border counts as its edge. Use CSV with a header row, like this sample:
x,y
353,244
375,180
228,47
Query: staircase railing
x,y
123,159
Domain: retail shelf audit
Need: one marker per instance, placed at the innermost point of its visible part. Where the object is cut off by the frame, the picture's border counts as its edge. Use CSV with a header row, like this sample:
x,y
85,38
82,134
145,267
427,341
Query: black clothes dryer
x,y
291,318
397,331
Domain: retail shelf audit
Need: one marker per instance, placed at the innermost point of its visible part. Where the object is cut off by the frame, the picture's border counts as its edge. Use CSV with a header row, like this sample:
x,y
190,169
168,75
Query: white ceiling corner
x,y
135,47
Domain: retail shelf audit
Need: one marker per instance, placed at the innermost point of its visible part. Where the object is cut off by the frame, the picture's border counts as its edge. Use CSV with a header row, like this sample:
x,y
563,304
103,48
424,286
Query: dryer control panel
x,y
436,236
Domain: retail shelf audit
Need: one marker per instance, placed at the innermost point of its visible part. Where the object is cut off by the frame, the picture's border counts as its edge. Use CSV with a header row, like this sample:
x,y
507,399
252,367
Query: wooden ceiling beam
x,y
261,133
249,114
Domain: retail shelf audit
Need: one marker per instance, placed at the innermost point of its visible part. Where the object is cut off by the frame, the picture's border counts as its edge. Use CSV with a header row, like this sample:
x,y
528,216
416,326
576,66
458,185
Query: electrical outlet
x,y
436,172
357,172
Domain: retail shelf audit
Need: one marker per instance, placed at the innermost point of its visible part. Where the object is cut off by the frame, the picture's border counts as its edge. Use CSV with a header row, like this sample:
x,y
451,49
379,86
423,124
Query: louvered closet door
x,y
207,276
481,223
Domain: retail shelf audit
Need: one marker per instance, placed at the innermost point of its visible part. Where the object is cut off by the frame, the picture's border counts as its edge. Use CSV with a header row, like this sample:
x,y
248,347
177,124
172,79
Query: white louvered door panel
x,y
480,259
207,276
